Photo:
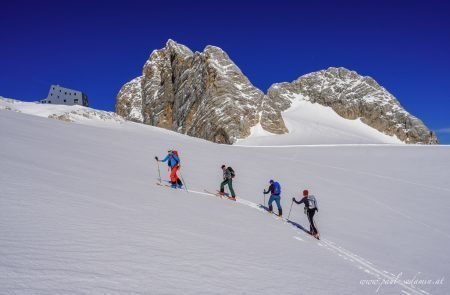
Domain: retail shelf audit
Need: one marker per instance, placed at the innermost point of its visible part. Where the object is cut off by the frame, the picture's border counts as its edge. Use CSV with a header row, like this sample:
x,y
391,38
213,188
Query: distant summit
x,y
204,94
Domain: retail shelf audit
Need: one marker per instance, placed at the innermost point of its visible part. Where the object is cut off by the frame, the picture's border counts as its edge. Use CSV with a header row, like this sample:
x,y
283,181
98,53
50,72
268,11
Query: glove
x,y
293,199
156,158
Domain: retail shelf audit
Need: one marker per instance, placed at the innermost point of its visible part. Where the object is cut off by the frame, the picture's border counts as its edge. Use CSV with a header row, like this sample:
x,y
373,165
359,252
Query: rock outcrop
x,y
204,94
353,96
129,101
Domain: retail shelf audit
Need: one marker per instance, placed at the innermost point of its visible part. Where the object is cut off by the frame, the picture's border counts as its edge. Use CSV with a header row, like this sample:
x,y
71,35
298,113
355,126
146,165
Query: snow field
x,y
80,213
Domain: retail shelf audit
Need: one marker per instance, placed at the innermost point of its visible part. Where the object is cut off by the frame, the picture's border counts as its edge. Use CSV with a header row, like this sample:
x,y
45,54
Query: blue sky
x,y
97,46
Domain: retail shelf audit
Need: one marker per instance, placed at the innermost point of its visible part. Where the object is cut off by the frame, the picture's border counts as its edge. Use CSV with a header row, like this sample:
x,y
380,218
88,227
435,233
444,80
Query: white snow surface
x,y
80,213
75,113
311,123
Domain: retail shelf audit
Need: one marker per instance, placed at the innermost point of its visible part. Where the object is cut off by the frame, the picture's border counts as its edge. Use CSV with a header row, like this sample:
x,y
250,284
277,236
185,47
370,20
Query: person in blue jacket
x,y
174,164
275,191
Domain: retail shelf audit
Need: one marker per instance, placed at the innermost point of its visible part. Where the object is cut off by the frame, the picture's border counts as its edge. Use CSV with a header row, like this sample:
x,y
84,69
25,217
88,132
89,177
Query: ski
x,y
300,227
213,194
166,185
270,212
317,238
217,194
225,194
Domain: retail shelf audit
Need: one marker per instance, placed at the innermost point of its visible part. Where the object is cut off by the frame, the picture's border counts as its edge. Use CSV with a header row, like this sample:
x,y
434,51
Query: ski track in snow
x,y
385,206
359,262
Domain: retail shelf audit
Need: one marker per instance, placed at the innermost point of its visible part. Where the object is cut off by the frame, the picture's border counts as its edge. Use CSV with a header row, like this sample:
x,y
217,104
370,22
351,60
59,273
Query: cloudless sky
x,y
97,46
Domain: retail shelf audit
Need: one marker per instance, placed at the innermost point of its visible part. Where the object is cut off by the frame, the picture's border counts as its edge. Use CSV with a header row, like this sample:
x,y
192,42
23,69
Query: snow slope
x,y
312,123
80,213
76,113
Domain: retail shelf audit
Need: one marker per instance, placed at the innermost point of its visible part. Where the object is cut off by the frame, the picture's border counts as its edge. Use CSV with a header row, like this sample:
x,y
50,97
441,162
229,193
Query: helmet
x,y
305,192
223,166
271,181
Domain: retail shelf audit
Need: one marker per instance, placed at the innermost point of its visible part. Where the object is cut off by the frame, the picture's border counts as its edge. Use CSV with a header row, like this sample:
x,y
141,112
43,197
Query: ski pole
x,y
292,202
182,179
264,204
159,173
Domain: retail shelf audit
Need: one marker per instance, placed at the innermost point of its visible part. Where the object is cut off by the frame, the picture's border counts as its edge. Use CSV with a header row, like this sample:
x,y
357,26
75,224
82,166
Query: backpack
x,y
276,188
176,153
312,202
232,173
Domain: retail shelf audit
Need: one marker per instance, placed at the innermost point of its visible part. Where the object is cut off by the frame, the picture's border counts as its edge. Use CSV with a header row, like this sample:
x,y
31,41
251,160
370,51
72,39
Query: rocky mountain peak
x,y
202,94
353,96
177,48
206,95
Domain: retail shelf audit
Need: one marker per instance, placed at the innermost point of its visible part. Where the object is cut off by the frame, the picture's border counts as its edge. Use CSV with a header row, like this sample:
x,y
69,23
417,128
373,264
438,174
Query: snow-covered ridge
x,y
76,113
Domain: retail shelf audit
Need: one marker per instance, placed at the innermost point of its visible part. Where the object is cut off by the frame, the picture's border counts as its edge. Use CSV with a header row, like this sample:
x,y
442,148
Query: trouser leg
x,y
271,199
230,186
222,185
277,200
173,175
312,226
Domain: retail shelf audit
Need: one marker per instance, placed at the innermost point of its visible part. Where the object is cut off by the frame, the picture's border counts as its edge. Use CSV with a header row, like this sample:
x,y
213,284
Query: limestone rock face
x,y
204,94
353,96
201,94
129,101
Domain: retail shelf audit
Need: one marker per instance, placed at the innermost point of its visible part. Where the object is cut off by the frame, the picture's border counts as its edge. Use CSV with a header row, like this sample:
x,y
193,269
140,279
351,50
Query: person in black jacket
x,y
310,209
